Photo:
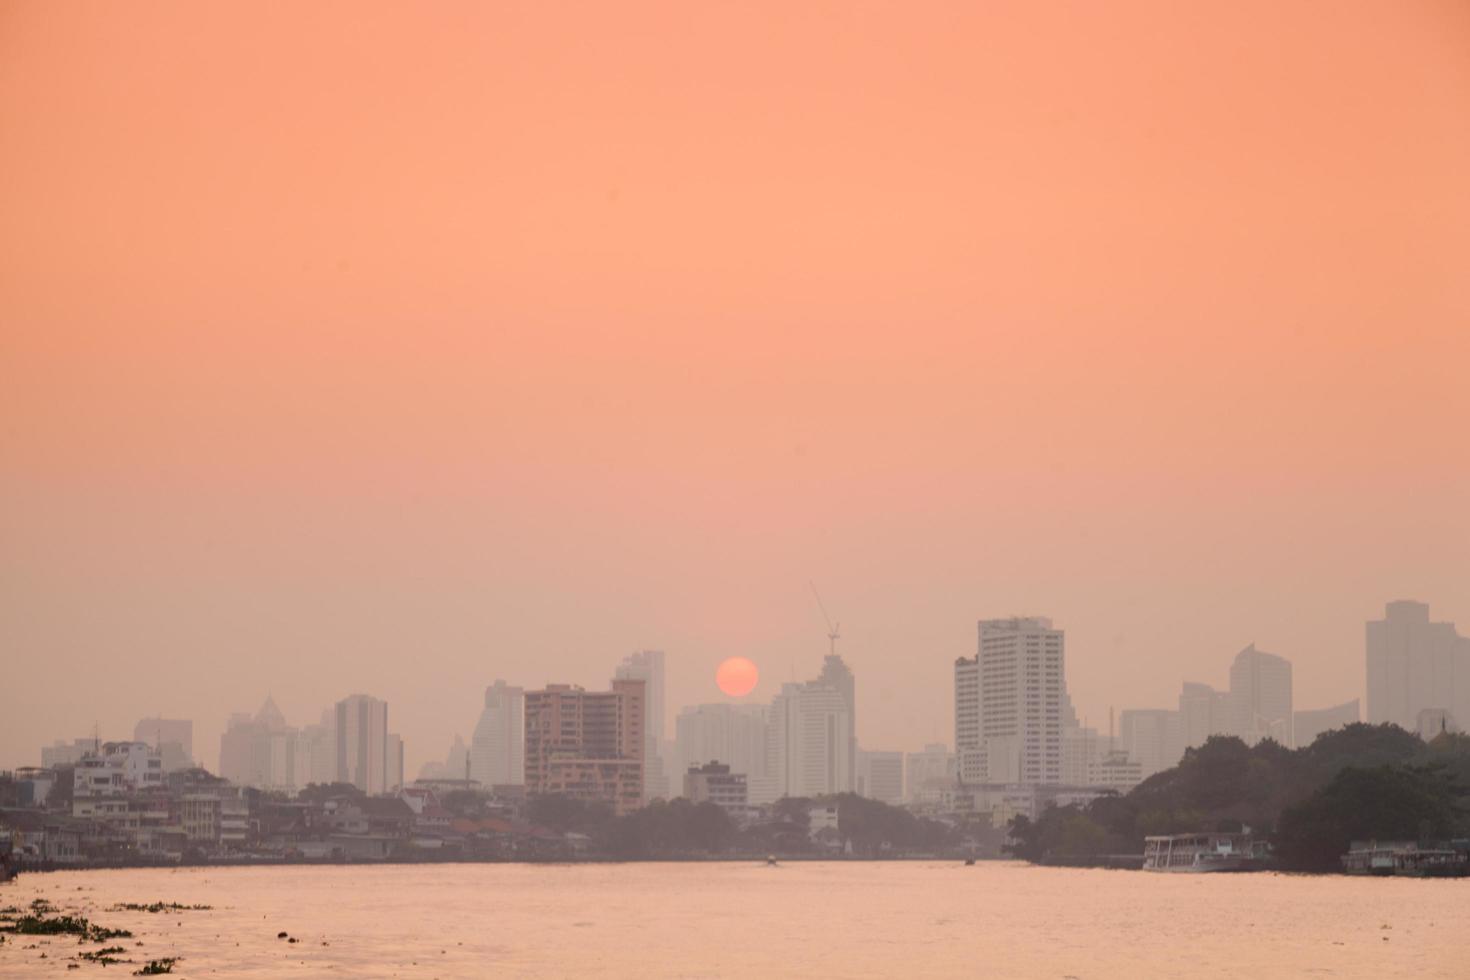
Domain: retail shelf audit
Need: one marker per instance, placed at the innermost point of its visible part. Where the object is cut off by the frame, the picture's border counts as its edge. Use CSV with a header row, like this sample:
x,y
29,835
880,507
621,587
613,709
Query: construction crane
x,y
833,629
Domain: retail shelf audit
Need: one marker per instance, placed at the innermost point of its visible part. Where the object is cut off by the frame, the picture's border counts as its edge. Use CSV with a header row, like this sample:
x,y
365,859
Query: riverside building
x,y
587,744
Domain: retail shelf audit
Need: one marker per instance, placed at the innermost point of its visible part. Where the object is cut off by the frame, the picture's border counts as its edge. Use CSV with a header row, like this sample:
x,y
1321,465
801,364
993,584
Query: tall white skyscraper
x,y
1260,697
838,676
362,743
1010,703
1415,664
648,666
498,748
969,745
733,734
812,750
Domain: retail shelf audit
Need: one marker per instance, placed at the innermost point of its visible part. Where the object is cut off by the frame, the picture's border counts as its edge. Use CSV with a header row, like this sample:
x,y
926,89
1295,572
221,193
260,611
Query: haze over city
x,y
368,349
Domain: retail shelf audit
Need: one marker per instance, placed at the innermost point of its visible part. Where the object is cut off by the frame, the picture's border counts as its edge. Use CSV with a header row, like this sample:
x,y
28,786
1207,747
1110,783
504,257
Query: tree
x,y
1384,803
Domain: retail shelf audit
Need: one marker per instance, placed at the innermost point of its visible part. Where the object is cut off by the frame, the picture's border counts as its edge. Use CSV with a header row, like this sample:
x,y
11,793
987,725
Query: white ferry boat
x,y
1205,852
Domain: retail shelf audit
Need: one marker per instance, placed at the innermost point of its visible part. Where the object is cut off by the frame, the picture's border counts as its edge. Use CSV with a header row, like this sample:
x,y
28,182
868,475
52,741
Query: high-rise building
x,y
62,753
1203,712
317,751
1081,748
498,747
838,676
393,764
1010,703
1414,664
173,738
968,743
648,667
362,744
929,773
1260,697
259,750
1307,725
734,734
811,747
587,744
880,776
1151,737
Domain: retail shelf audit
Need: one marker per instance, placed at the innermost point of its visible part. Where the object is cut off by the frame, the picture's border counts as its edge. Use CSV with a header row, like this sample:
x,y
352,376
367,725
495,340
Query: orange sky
x,y
397,348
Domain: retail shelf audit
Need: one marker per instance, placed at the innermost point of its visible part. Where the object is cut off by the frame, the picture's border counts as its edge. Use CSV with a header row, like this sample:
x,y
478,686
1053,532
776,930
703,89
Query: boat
x,y
1205,852
1407,859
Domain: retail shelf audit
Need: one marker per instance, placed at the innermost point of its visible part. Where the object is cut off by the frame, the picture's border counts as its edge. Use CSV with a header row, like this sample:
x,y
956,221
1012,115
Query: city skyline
x,y
1202,711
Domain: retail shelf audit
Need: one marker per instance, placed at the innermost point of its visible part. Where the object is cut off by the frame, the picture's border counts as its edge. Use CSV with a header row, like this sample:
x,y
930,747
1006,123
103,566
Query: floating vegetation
x,y
64,925
159,907
156,967
104,956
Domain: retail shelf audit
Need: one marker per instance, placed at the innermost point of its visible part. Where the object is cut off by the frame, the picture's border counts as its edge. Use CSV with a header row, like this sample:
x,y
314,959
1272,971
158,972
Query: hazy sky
x,y
399,348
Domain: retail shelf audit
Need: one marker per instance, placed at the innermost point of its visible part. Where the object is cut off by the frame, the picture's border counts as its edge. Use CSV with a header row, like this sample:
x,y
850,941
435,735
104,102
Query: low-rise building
x,y
714,783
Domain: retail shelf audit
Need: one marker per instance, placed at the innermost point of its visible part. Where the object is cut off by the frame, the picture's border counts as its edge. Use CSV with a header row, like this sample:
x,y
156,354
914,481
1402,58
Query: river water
x,y
822,919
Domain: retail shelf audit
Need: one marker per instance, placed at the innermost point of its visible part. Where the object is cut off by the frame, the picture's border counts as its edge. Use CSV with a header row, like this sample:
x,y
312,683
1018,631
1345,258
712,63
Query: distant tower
x,y
497,754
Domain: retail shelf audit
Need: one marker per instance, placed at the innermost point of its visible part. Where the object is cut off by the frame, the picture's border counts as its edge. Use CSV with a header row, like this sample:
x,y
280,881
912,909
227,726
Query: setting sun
x,y
737,676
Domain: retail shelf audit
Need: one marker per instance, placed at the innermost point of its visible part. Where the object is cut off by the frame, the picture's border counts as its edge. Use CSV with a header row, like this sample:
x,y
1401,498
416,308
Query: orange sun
x,y
737,676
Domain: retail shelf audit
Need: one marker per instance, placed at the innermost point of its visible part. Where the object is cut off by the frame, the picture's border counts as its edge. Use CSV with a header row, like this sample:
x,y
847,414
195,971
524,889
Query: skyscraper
x,y
929,773
362,743
173,738
1152,738
811,744
648,666
734,734
1009,703
587,744
1414,664
1203,712
1307,725
259,750
838,676
498,747
880,776
1260,697
968,743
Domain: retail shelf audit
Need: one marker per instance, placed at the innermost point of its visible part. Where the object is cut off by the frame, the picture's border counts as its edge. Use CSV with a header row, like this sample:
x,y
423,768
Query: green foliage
x,y
156,967
669,828
1225,784
64,925
568,814
322,792
1384,803
104,956
463,802
158,907
871,827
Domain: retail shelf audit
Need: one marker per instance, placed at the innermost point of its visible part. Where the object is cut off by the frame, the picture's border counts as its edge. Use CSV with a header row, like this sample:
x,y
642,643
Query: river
x,y
827,919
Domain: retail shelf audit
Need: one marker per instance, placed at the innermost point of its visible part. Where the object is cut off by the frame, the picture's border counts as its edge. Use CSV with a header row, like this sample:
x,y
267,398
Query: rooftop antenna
x,y
833,629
